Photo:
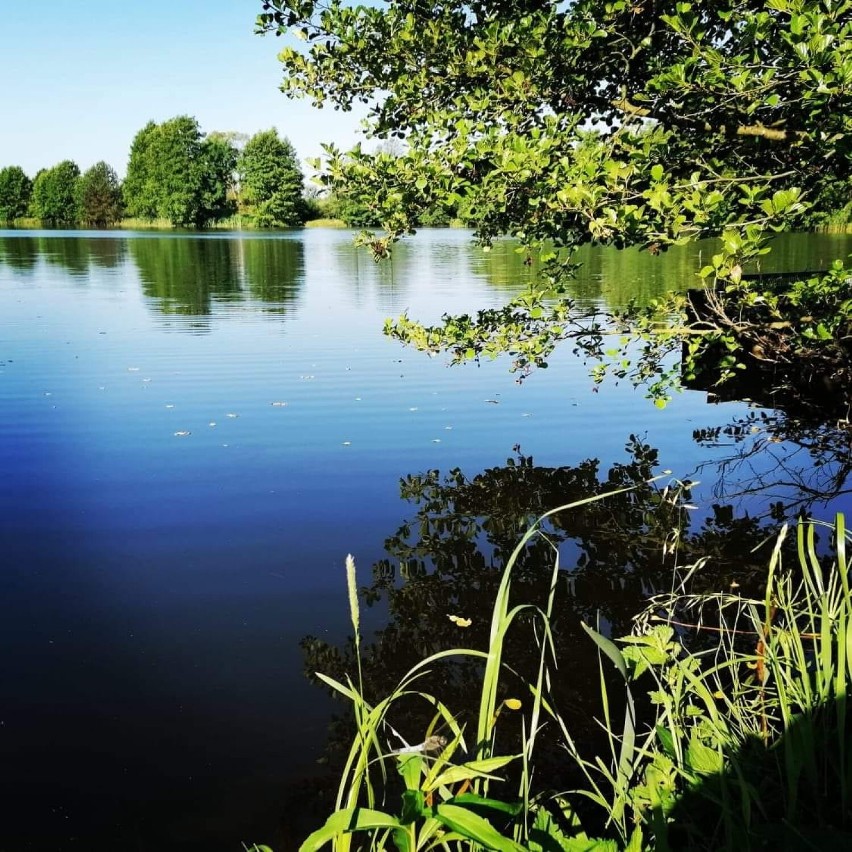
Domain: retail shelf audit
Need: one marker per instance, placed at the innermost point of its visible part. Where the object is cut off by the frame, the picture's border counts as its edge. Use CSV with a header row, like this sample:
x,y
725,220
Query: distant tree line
x,y
61,195
175,172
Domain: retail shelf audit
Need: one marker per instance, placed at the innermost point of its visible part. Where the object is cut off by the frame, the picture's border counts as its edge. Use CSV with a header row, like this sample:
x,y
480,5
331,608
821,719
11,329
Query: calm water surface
x,y
194,431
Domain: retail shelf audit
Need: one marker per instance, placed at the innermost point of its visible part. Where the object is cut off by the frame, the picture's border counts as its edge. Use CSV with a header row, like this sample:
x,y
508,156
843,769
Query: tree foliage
x,y
15,191
215,173
176,173
99,196
613,121
606,121
54,195
271,181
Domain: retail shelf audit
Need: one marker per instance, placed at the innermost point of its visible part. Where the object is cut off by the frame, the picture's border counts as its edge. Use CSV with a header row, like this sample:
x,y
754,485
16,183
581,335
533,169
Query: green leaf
x,y
510,808
346,821
664,735
402,839
335,684
474,827
410,768
609,648
635,844
465,771
703,759
412,806
546,834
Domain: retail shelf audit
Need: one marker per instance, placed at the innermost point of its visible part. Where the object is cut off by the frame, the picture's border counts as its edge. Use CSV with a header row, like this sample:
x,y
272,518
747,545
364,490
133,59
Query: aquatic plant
x,y
734,732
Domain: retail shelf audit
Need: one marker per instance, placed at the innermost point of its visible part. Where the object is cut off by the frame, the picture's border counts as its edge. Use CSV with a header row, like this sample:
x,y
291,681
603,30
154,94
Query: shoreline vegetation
x,y
725,715
237,223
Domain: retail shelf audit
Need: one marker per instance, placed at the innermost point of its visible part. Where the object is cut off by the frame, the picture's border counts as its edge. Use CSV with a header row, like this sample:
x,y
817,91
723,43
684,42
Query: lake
x,y
196,430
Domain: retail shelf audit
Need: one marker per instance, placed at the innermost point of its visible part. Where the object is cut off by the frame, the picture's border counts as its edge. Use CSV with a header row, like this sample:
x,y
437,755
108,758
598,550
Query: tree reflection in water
x,y
793,448
448,557
75,254
184,275
794,465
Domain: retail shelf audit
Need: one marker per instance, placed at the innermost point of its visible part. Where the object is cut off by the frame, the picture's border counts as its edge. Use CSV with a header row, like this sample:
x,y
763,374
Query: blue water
x,y
194,432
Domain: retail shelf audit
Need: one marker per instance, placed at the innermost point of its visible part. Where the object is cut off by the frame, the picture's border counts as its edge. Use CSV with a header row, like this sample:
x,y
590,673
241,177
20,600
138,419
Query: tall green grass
x,y
751,706
133,224
326,223
734,734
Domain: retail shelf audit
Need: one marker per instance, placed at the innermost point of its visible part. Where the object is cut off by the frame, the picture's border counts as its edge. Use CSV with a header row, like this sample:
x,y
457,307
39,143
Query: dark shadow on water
x,y
807,392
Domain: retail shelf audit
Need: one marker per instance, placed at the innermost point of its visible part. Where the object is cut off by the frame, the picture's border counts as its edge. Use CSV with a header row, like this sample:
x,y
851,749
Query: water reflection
x,y
75,255
792,449
443,257
188,276
447,559
190,566
794,252
71,254
179,275
613,277
106,253
20,252
793,465
504,266
385,282
274,270
605,276
184,275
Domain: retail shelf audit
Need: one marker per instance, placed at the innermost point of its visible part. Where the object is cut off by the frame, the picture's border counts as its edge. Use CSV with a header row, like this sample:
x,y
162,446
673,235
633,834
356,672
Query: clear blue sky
x,y
81,77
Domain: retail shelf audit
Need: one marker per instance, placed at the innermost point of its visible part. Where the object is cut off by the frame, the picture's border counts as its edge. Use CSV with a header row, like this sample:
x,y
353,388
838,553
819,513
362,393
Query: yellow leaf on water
x,y
459,621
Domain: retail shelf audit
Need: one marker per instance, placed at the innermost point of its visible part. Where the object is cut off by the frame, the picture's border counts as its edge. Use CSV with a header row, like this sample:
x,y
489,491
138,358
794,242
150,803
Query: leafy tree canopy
x,y
99,196
271,181
54,195
612,121
176,173
15,191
